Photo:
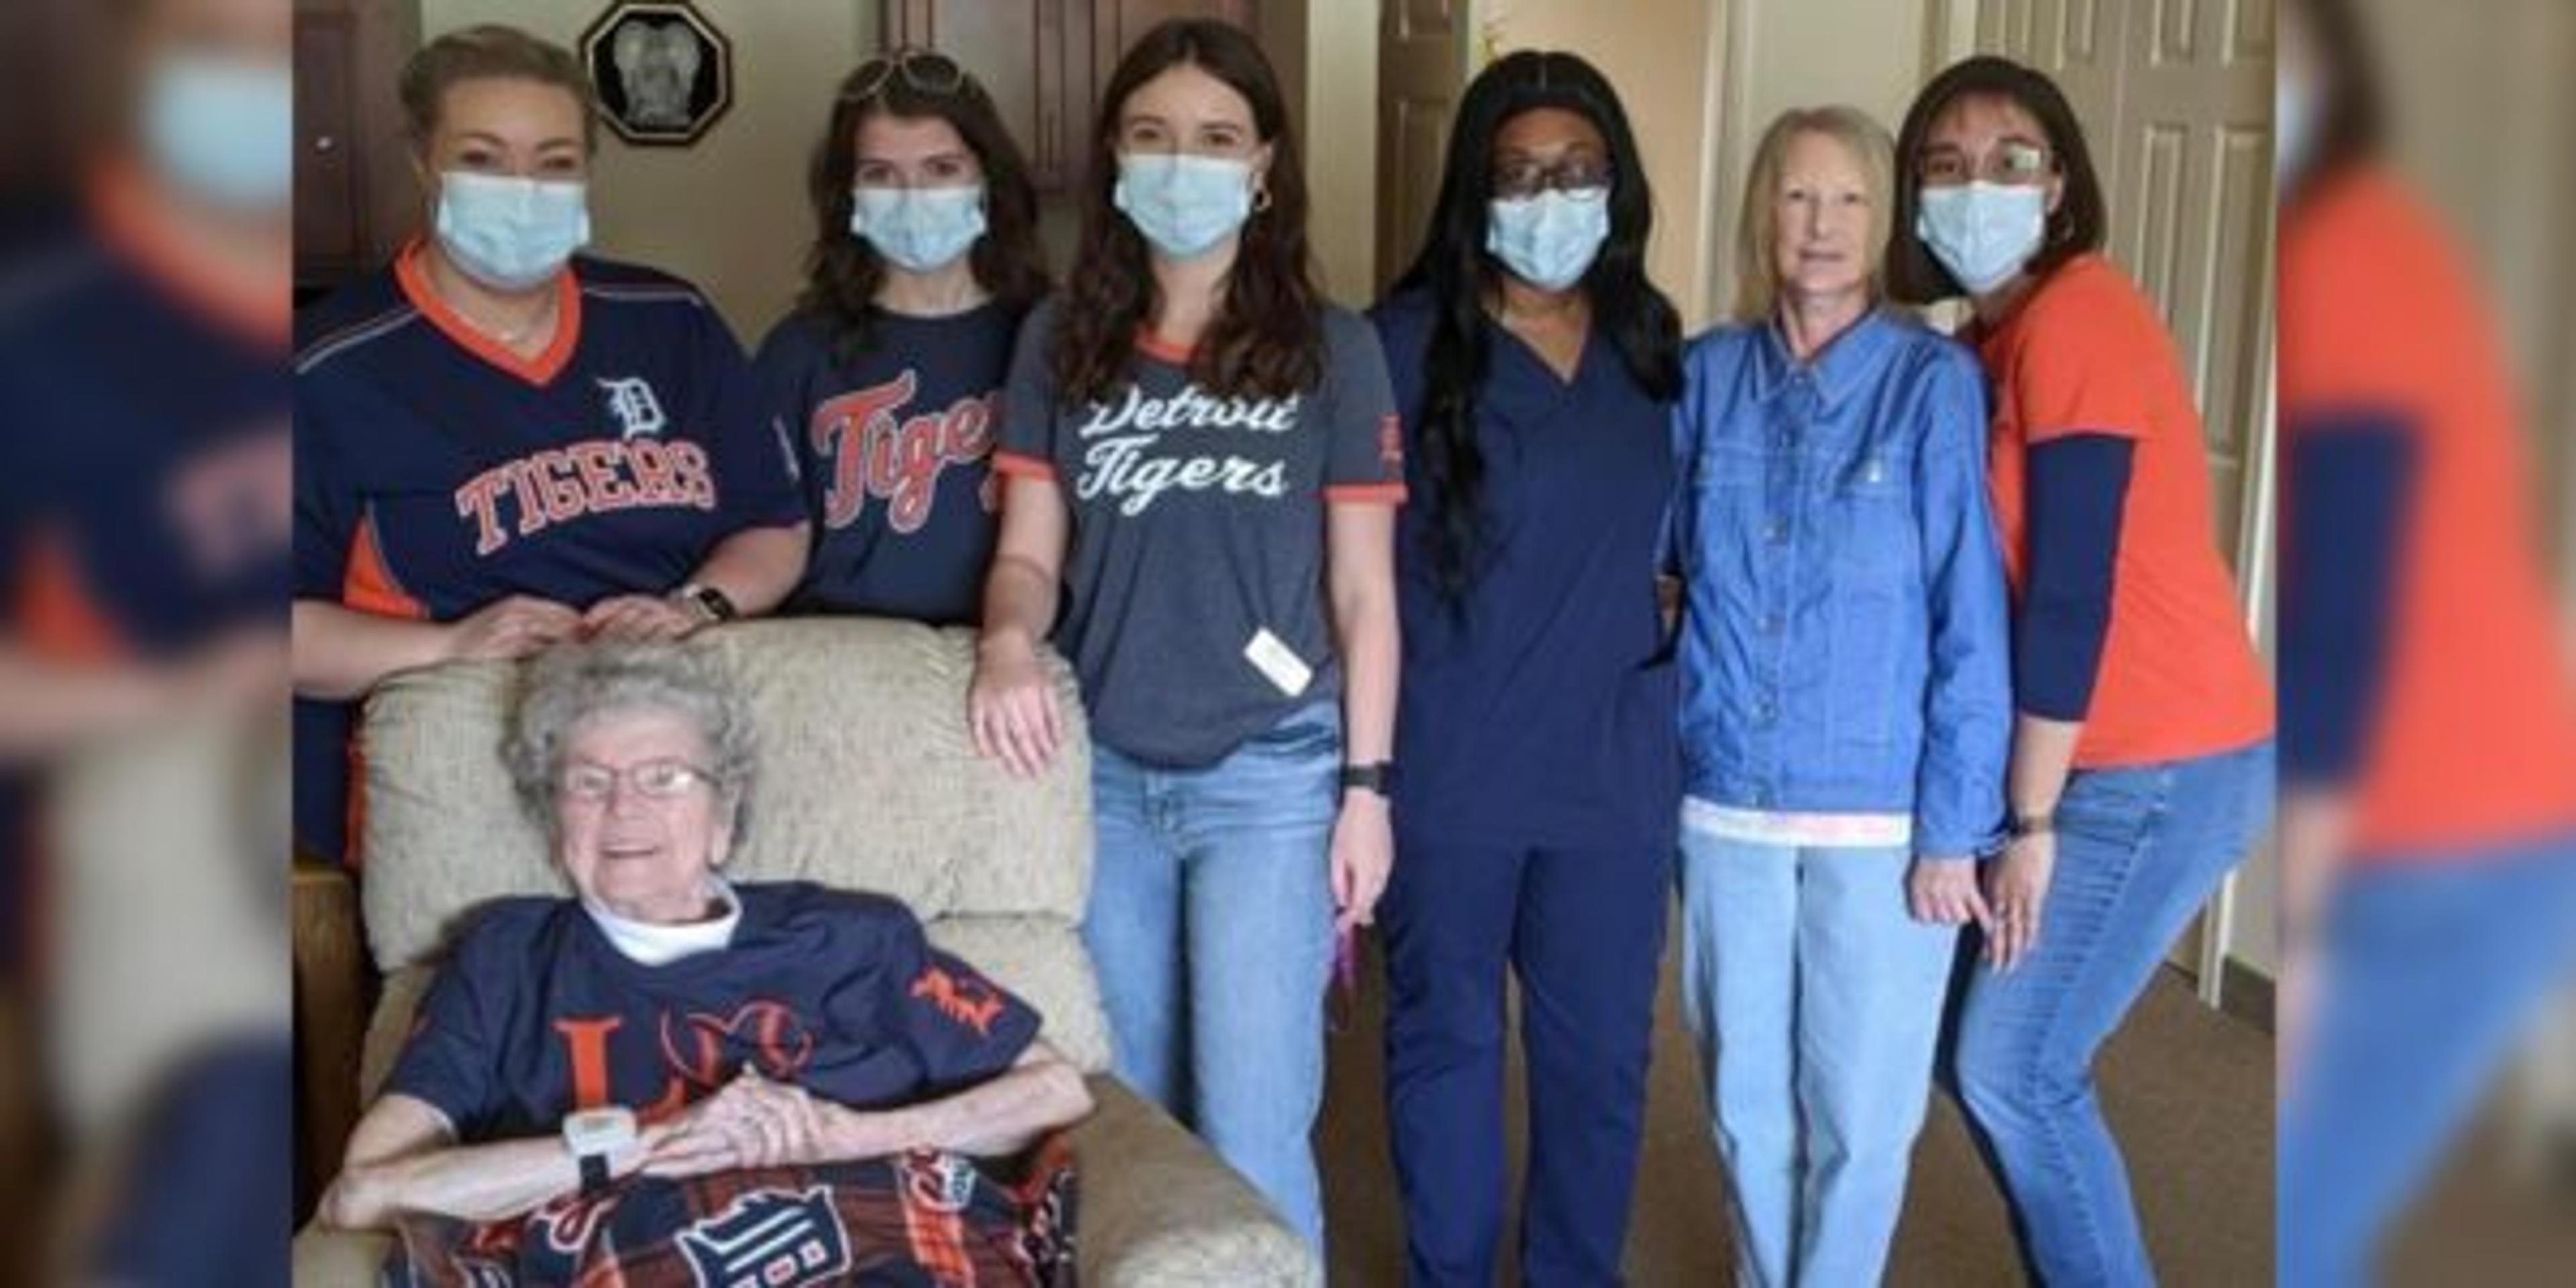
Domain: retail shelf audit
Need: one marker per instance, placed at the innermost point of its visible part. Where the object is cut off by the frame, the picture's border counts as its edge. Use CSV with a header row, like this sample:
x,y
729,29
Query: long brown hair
x,y
843,271
1266,340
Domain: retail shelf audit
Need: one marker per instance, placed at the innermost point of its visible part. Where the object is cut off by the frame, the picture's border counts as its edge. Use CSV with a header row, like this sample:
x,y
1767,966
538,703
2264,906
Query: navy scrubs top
x,y
1539,711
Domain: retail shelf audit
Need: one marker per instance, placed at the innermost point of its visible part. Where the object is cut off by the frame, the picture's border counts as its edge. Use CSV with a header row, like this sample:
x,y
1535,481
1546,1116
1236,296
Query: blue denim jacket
x,y
1844,646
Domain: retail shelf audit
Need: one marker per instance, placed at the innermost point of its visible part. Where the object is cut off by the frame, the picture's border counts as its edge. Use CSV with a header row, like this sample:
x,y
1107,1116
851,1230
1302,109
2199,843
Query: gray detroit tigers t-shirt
x,y
1194,588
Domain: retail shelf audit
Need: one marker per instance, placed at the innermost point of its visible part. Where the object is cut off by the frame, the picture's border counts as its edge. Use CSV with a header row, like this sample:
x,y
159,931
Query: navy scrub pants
x,y
1584,931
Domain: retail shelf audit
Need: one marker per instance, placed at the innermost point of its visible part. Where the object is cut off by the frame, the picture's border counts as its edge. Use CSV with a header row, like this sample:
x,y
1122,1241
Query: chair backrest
x,y
866,779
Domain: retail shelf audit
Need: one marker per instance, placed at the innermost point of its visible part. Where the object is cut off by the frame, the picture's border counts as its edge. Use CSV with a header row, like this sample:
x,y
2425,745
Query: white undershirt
x,y
1858,830
653,944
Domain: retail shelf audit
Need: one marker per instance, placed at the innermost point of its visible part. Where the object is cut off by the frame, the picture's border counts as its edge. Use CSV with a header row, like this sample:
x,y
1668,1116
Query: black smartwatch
x,y
714,603
1376,776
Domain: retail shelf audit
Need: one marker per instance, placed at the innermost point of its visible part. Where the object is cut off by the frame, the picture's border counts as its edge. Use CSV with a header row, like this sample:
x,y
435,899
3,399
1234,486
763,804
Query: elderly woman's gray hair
x,y
570,686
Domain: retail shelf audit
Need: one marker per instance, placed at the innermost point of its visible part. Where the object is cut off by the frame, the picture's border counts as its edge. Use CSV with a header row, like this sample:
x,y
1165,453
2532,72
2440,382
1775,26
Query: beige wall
x,y
729,213
1334,76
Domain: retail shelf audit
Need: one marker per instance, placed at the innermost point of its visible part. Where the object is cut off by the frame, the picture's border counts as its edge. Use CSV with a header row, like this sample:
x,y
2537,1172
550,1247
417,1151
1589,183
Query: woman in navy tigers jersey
x,y
888,374
500,447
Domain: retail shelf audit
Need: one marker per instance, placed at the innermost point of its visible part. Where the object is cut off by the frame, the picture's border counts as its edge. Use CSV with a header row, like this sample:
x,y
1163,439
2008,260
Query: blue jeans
x,y
1211,925
2431,970
2138,851
1816,998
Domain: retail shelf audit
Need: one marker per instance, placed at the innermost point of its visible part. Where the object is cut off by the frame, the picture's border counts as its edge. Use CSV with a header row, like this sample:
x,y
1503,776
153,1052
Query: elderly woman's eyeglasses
x,y
657,780
2012,164
924,70
1514,180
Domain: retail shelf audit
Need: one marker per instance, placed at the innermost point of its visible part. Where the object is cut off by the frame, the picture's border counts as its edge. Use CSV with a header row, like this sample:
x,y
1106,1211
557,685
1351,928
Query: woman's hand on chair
x,y
1011,706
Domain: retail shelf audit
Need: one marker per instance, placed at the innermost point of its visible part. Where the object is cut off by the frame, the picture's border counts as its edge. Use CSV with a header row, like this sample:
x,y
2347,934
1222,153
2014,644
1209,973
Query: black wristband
x,y
1376,776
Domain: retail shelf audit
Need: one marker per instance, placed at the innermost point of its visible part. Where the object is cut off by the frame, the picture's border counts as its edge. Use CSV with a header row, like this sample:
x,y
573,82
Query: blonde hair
x,y
1757,286
490,51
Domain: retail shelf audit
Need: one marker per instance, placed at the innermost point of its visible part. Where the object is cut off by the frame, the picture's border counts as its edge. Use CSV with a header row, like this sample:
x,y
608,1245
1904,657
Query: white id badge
x,y
1278,662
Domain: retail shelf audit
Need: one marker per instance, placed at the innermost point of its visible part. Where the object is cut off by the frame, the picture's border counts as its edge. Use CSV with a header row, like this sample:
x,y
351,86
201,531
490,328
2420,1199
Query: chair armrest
x,y
1158,1208
331,975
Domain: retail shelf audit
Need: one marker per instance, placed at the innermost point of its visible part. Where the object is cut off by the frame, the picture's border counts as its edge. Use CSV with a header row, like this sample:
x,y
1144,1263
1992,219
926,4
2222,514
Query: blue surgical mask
x,y
510,233
1983,232
919,229
222,129
1549,240
1185,205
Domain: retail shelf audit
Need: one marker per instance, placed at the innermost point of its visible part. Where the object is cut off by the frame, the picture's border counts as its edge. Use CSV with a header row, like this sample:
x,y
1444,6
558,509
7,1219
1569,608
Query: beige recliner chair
x,y
866,780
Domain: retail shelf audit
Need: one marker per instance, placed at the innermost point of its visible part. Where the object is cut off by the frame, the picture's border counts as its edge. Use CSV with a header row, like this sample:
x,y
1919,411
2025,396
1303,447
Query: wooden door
x,y
1422,68
356,200
1025,56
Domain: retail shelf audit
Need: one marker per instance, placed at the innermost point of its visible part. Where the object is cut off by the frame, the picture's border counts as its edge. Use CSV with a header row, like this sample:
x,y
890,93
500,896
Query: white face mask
x,y
1983,232
1185,205
919,229
223,129
509,233
1549,240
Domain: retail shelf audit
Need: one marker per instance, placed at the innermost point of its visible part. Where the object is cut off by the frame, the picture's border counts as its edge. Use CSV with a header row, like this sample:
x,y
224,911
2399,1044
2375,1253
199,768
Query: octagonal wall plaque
x,y
663,73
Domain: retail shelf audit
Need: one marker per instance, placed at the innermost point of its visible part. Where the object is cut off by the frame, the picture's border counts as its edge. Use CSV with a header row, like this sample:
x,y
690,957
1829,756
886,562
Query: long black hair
x,y
1462,278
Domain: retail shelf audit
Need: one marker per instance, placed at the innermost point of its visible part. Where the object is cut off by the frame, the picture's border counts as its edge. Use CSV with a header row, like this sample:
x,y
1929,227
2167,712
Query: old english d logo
x,y
638,411
694,1047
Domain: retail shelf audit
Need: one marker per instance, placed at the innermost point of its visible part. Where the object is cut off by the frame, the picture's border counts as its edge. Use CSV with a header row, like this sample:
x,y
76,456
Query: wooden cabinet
x,y
356,201
1044,61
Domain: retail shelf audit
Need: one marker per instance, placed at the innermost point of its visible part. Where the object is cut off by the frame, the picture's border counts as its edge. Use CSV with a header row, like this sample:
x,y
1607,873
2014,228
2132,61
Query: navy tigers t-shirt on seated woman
x,y
1194,588
537,1014
896,448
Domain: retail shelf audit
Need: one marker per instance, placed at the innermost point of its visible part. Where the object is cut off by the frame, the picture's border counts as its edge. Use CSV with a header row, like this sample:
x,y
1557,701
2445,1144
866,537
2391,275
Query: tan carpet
x,y
2188,1090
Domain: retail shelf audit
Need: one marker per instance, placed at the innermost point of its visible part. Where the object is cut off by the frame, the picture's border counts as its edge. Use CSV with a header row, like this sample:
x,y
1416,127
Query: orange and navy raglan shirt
x,y
2126,617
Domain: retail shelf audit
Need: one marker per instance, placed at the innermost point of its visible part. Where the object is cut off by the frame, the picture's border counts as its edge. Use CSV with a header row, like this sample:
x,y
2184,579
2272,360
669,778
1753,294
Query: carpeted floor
x,y
2188,1090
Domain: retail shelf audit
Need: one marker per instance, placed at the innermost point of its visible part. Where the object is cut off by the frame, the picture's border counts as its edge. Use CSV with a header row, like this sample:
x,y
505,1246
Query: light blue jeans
x,y
1211,925
2138,850
2435,966
1816,998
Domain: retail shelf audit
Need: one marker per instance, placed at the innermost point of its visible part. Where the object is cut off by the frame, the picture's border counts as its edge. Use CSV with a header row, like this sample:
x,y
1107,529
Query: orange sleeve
x,y
1020,465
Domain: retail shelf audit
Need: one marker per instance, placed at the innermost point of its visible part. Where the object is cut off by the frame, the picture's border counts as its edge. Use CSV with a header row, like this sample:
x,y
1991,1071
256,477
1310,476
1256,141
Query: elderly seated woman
x,y
577,1059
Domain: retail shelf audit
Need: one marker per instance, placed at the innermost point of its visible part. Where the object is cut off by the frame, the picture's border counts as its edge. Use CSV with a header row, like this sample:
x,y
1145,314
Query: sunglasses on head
x,y
924,70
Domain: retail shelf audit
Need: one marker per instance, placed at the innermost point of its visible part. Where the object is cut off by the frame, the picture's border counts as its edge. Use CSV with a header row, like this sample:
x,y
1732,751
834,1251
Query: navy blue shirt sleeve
x,y
326,517
783,373
959,1027
2078,492
451,1058
755,462
2349,477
